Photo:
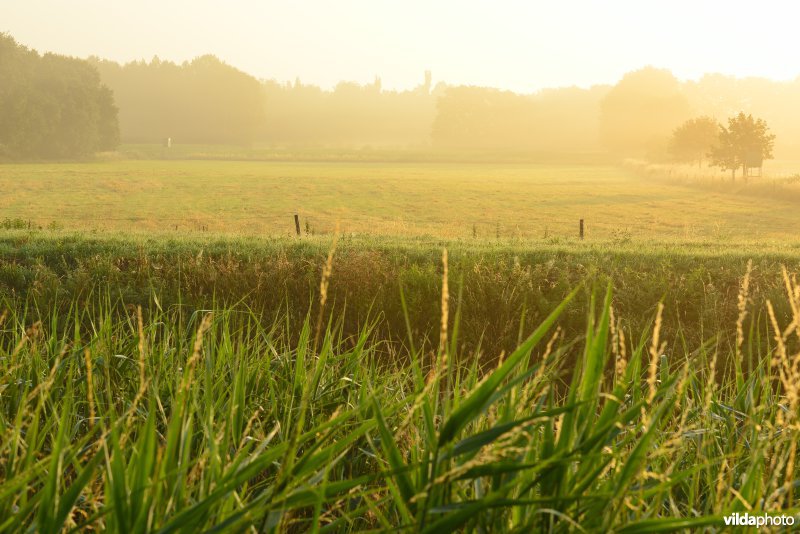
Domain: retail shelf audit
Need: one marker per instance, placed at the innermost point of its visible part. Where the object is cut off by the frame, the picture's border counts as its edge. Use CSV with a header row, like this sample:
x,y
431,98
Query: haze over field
x,y
566,77
513,45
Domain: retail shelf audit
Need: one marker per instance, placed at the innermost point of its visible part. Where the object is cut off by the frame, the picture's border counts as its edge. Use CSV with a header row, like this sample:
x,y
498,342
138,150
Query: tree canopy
x,y
202,101
350,114
640,111
52,106
745,143
694,139
555,120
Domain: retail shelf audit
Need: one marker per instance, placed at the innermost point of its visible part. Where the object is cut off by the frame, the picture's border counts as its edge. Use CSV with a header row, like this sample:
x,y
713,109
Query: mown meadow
x,y
537,202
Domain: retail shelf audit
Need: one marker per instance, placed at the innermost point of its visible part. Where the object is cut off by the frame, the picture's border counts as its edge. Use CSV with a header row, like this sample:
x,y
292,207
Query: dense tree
x,y
482,118
202,101
52,106
350,115
745,143
555,120
638,111
693,140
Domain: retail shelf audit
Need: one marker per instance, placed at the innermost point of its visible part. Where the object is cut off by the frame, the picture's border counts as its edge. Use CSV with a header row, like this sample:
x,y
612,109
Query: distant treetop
x,y
52,106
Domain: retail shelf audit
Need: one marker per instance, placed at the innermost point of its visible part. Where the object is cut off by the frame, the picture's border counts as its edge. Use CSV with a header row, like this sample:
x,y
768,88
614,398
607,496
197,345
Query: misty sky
x,y
519,45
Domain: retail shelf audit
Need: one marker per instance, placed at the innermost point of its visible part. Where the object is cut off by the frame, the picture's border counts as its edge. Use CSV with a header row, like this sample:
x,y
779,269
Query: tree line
x,y
200,101
52,106
351,114
485,119
633,118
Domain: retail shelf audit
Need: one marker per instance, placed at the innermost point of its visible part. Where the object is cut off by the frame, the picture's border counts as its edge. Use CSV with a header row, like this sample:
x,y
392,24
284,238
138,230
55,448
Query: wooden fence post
x,y
297,223
581,228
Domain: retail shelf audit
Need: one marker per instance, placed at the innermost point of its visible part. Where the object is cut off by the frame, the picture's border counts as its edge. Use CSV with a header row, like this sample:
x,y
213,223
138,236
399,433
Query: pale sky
x,y
518,45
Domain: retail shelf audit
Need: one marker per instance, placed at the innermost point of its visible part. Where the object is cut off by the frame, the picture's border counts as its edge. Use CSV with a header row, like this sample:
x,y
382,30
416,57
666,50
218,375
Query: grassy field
x,y
237,378
446,200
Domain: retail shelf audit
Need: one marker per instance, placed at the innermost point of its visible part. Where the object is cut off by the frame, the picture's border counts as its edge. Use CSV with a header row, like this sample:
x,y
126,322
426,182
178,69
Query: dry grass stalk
x,y
445,311
655,351
89,386
142,368
323,285
742,301
205,325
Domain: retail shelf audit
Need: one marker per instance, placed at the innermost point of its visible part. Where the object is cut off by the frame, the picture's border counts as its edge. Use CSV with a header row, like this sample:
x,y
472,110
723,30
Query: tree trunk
x,y
744,172
733,175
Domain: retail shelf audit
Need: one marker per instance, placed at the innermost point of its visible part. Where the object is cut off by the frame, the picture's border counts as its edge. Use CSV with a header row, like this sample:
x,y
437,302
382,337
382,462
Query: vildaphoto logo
x,y
758,521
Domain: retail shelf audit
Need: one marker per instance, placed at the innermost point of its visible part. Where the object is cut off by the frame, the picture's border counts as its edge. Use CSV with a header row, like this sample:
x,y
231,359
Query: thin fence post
x,y
580,228
297,223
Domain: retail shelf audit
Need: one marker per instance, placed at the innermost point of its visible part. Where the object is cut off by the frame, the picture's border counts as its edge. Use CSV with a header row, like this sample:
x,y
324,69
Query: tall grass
x,y
217,420
502,282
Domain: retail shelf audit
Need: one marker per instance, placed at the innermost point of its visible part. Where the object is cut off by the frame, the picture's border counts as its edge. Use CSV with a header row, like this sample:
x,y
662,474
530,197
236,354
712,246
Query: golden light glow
x,y
518,45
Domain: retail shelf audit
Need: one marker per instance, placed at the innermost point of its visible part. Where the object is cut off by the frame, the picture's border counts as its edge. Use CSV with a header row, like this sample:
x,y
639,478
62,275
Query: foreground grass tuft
x,y
216,420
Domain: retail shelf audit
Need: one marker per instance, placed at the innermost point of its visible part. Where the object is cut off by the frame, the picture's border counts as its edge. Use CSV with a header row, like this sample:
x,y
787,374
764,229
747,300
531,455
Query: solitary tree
x,y
694,139
745,143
